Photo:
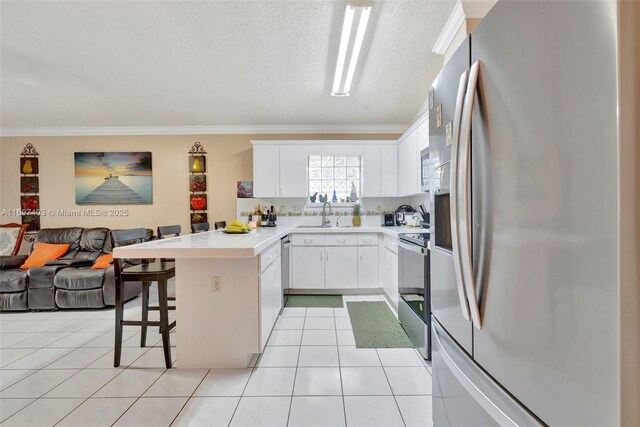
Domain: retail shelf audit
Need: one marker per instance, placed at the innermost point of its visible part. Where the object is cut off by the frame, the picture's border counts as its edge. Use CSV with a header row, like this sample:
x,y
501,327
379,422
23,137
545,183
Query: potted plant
x,y
356,221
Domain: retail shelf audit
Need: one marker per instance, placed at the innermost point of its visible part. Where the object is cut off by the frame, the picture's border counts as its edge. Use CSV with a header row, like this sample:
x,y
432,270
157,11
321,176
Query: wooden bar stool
x,y
147,272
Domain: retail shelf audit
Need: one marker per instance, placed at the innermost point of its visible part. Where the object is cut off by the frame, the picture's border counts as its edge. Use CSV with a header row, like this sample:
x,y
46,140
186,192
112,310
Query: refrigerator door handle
x,y
465,209
454,195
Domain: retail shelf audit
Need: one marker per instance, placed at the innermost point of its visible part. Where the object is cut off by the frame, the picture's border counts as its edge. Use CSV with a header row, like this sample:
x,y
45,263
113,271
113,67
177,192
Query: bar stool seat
x,y
146,272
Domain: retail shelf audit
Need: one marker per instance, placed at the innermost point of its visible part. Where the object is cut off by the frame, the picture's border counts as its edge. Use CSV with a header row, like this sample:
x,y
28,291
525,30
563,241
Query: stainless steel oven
x,y
414,290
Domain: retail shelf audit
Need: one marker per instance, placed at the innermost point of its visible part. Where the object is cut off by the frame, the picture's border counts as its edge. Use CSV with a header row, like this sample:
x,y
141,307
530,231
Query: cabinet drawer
x,y
269,255
308,240
346,239
367,239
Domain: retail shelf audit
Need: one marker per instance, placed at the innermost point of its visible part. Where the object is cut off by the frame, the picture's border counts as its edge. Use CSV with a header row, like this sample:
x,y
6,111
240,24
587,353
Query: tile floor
x,y
56,369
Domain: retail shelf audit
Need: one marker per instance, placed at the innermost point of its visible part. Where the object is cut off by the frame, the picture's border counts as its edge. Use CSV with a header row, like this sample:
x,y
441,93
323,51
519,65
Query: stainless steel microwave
x,y
426,171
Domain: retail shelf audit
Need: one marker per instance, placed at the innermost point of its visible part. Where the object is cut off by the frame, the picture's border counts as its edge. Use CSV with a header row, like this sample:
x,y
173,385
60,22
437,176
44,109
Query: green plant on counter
x,y
356,221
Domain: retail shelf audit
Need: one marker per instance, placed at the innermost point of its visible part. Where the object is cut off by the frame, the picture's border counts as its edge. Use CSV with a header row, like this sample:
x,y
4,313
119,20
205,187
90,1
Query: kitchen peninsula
x,y
228,288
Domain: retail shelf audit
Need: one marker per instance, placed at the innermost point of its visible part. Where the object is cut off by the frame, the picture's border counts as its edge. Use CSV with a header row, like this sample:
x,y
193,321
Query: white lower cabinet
x,y
368,267
341,268
270,298
307,267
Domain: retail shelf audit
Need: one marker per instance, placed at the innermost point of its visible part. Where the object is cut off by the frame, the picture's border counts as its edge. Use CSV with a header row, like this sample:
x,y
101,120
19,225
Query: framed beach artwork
x,y
113,178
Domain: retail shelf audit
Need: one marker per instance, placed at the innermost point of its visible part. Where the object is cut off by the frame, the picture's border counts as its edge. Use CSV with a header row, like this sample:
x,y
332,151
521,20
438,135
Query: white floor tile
x,y
319,337
127,357
285,337
364,382
42,412
408,380
294,312
37,384
10,339
9,377
107,339
262,411
316,411
368,298
341,312
319,323
39,358
345,337
9,407
10,355
281,357
352,356
343,323
152,412
131,383
8,325
154,358
319,312
318,356
83,384
318,382
176,382
349,298
76,339
399,357
224,382
99,412
271,382
207,412
290,323
369,411
79,358
416,410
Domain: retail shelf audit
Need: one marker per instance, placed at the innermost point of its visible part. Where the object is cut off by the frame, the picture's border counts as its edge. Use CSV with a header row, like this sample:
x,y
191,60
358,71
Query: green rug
x,y
375,326
329,301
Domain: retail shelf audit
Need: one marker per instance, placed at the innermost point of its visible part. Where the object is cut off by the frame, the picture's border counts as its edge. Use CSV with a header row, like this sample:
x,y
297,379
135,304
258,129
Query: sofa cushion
x,y
42,277
13,280
92,243
11,237
91,298
7,262
78,278
16,301
69,235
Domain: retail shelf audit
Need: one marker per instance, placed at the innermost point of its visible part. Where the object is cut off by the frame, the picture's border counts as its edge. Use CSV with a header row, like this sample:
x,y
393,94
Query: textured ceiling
x,y
72,64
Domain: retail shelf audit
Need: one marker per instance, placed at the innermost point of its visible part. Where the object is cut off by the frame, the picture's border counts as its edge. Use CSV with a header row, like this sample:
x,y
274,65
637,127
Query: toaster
x,y
388,220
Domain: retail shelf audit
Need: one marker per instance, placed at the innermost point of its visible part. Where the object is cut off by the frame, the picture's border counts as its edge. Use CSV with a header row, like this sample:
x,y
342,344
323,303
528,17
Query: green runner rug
x,y
329,301
375,326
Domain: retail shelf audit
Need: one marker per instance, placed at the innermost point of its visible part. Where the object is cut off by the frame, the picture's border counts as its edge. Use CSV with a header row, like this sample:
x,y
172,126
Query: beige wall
x,y
229,159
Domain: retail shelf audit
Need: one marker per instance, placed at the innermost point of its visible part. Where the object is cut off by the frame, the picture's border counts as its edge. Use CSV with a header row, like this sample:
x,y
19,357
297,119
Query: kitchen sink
x,y
314,226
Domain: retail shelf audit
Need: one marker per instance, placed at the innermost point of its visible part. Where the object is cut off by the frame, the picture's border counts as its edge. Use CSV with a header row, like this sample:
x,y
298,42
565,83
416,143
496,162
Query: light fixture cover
x,y
342,87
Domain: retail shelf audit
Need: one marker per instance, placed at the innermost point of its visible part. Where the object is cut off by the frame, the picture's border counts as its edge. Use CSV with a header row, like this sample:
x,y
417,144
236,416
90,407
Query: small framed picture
x,y
431,95
197,183
439,116
33,221
198,202
197,164
29,184
29,165
449,133
245,190
29,203
198,218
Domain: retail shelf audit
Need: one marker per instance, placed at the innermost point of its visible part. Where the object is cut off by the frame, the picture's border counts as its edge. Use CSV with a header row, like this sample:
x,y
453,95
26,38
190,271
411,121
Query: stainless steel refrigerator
x,y
524,258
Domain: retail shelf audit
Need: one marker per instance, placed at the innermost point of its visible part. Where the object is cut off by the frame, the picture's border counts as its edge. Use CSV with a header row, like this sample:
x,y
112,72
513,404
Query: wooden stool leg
x,y
164,320
145,313
119,317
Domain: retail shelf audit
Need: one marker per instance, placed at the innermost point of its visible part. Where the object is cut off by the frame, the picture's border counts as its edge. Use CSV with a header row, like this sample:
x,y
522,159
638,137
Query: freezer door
x,y
463,395
445,294
544,142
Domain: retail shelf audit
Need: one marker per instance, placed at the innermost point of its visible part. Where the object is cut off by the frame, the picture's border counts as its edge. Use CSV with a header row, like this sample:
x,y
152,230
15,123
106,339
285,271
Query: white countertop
x,y
216,244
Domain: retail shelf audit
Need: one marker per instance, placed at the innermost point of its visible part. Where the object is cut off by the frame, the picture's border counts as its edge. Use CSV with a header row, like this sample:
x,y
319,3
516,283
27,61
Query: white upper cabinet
x,y
371,171
266,170
388,170
409,148
293,170
423,135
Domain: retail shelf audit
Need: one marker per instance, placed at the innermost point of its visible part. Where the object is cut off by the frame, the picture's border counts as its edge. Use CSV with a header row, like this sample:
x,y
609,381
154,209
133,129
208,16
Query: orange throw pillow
x,y
43,252
103,261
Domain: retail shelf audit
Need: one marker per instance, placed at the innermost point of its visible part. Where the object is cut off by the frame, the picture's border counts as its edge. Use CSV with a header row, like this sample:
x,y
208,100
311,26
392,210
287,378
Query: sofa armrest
x,y
8,262
70,262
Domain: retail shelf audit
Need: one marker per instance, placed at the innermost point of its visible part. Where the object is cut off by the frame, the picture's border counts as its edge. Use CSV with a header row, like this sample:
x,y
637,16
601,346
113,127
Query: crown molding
x,y
324,142
201,130
456,19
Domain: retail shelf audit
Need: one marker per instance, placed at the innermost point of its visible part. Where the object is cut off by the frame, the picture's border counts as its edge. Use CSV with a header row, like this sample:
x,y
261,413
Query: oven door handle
x,y
413,248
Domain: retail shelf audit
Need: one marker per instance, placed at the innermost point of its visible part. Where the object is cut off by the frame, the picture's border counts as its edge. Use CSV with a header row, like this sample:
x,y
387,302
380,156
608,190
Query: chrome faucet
x,y
325,221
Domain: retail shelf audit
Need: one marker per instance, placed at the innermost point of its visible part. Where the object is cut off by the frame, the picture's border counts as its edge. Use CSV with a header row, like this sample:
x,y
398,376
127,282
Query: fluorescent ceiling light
x,y
355,51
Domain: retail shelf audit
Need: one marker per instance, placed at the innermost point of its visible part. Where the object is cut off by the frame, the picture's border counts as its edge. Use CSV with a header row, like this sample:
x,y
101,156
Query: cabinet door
x,y
293,171
267,314
371,173
277,288
403,160
413,164
307,267
388,170
423,135
391,265
341,268
266,170
368,267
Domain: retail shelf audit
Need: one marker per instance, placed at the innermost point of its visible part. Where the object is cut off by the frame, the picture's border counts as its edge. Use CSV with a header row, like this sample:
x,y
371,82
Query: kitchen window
x,y
339,174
